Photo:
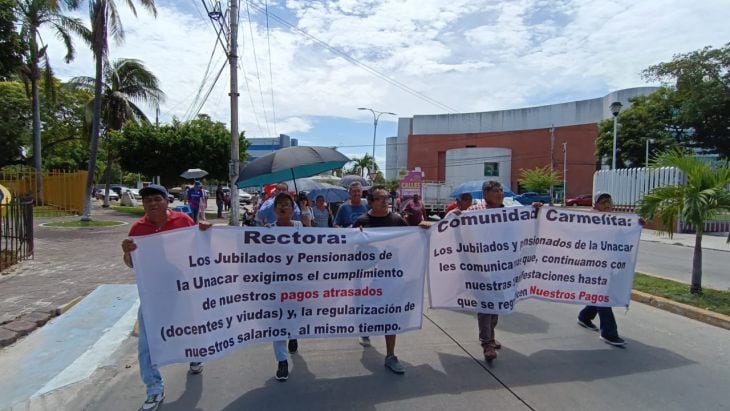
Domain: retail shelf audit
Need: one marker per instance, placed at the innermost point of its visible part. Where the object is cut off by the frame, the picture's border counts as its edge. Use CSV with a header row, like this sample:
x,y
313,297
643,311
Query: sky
x,y
306,70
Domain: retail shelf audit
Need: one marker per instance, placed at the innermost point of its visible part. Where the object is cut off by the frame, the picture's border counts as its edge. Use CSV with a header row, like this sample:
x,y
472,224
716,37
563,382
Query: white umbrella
x,y
194,173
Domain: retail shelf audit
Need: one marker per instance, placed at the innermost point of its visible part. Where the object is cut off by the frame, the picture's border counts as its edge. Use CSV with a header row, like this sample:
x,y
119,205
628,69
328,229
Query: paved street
x,y
548,362
675,261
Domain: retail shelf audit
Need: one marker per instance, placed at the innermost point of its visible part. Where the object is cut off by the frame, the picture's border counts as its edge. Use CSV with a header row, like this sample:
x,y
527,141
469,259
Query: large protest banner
x,y
486,260
205,293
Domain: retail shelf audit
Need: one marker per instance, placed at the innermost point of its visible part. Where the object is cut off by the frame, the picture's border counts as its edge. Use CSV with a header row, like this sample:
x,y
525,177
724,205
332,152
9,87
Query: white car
x,y
244,197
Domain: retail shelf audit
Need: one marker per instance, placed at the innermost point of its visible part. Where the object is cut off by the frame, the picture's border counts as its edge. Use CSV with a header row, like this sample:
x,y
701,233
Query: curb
x,y
698,314
69,305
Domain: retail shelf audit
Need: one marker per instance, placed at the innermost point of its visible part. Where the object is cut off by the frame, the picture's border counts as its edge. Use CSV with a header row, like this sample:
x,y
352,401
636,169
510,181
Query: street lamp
x,y
376,116
648,140
615,109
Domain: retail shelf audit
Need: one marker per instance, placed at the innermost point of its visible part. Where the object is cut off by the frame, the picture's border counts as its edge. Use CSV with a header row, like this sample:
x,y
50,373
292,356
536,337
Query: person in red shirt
x,y
414,211
157,218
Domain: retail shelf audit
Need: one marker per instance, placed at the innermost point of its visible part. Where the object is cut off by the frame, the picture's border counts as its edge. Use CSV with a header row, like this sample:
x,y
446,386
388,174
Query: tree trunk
x,y
108,177
36,113
95,125
696,287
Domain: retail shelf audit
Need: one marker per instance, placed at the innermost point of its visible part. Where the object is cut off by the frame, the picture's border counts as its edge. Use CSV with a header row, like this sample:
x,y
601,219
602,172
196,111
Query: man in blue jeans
x,y
157,218
609,329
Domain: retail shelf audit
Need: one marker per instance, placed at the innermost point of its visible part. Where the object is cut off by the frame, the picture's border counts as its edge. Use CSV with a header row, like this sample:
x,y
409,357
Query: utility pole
x,y
565,172
235,160
376,117
230,30
552,160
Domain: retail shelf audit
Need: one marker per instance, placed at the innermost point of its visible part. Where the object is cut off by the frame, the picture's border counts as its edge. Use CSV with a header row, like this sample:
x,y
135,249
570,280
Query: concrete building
x,y
498,144
260,146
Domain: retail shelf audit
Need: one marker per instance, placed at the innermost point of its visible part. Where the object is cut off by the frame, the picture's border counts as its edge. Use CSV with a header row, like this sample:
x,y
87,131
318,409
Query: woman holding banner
x,y
284,209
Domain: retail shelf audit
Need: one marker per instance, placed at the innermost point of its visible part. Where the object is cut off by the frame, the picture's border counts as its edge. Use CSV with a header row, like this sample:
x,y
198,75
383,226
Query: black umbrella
x,y
289,164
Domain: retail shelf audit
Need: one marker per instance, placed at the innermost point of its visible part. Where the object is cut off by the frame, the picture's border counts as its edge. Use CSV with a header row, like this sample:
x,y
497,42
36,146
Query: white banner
x,y
205,293
486,260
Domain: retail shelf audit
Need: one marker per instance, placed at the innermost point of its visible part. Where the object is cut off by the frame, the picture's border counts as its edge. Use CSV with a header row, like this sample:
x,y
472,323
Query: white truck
x,y
436,196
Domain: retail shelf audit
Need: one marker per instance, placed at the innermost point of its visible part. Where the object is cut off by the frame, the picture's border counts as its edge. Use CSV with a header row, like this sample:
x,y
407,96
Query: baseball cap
x,y
153,189
197,184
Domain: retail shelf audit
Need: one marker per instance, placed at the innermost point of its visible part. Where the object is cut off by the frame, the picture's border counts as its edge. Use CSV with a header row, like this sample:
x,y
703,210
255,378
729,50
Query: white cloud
x,y
470,55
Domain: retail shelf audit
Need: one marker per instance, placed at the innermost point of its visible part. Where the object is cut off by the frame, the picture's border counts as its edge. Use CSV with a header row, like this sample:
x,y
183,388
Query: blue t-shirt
x,y
348,213
194,196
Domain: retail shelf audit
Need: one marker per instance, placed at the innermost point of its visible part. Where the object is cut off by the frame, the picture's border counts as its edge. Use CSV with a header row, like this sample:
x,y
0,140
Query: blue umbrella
x,y
474,188
289,164
331,194
313,188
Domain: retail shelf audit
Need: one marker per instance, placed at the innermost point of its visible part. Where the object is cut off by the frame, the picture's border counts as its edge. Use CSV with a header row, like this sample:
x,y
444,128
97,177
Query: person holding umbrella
x,y
194,197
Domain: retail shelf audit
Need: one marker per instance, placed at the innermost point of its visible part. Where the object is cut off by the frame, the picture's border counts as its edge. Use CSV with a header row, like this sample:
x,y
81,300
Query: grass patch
x,y
139,211
84,224
712,300
50,211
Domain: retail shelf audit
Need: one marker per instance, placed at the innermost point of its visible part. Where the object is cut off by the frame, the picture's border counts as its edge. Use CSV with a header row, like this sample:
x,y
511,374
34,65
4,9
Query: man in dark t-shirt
x,y
379,216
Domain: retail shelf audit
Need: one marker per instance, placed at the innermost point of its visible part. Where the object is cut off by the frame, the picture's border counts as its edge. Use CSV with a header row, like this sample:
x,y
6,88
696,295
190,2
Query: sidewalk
x,y
68,264
710,241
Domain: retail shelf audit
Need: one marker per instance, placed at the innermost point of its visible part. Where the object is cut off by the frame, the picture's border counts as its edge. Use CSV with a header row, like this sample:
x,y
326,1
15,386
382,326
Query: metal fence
x,y
629,185
16,232
62,190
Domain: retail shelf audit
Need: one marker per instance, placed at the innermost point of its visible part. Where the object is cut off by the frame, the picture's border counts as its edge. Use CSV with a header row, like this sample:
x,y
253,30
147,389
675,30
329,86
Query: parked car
x,y
581,200
243,196
531,197
99,194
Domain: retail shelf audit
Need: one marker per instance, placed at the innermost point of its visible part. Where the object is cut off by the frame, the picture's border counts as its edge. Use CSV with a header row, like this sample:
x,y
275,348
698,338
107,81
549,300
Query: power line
x,y
359,63
271,75
256,63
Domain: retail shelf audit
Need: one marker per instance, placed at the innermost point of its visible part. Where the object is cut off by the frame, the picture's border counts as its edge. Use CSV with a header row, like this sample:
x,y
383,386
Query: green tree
x,y
701,198
362,163
65,134
168,150
652,118
125,81
11,49
539,179
34,14
701,81
104,18
15,122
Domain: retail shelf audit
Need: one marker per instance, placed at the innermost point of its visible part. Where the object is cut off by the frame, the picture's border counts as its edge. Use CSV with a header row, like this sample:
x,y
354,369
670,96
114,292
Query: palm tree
x,y
361,164
125,81
104,19
701,198
34,14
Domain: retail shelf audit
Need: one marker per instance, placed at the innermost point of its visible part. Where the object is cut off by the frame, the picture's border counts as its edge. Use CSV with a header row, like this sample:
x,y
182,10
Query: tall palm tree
x,y
125,81
32,15
367,161
104,21
703,196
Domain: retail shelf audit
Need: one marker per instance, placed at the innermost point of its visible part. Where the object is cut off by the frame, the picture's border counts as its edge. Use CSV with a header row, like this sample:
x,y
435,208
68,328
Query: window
x,y
491,169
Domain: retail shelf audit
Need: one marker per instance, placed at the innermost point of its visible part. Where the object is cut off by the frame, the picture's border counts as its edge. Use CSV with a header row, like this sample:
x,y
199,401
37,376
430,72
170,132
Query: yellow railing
x,y
64,190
